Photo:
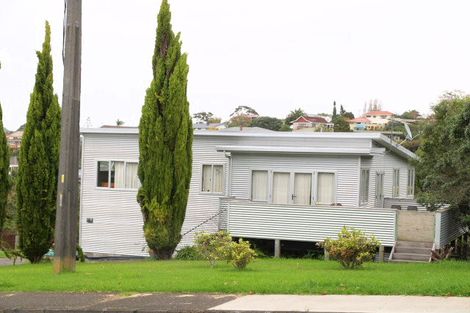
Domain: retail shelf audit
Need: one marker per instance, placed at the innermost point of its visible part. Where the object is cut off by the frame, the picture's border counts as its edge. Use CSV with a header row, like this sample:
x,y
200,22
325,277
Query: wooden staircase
x,y
411,251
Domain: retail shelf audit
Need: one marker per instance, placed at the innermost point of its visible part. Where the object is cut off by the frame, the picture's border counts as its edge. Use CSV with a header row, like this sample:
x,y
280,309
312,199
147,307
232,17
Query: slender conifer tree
x,y
165,140
39,162
4,168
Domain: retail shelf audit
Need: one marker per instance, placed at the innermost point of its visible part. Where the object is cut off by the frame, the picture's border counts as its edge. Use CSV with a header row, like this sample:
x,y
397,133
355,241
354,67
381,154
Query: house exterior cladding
x,y
273,185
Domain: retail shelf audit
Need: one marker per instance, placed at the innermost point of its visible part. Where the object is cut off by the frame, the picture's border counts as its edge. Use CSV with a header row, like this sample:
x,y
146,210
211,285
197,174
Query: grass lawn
x,y
268,276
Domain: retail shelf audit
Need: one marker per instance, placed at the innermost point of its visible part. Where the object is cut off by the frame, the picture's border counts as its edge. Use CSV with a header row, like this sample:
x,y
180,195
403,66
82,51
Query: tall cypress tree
x,y
4,176
39,162
165,141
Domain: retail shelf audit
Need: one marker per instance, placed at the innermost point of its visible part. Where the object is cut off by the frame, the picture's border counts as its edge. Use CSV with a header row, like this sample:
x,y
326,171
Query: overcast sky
x,y
268,54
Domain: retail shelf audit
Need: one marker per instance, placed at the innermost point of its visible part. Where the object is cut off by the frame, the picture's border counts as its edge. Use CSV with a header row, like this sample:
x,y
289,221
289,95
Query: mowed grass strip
x,y
265,276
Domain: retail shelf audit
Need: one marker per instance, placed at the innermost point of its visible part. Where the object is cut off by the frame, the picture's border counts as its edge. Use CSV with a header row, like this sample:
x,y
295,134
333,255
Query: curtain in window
x,y
302,188
364,187
281,188
396,183
218,178
411,182
206,178
132,180
259,186
326,186
119,175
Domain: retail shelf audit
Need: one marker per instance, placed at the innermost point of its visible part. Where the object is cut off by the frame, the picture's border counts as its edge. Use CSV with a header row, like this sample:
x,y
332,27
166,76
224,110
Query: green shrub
x,y
189,253
80,254
213,247
240,254
352,248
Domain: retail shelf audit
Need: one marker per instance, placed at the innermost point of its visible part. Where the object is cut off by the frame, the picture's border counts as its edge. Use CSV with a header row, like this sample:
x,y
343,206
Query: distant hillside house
x,y
310,122
14,139
359,123
378,119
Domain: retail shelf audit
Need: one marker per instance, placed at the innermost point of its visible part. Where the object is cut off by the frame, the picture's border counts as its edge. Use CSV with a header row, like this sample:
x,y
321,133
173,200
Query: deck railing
x,y
249,219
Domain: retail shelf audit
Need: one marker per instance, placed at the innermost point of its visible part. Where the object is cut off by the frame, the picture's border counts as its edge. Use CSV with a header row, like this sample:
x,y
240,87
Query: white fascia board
x,y
396,148
293,150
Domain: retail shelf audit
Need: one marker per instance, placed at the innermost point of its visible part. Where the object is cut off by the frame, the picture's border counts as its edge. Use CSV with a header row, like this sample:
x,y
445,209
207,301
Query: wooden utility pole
x,y
66,228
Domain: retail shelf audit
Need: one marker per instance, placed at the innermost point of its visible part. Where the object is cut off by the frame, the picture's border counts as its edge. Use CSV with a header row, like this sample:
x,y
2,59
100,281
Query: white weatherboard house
x,y
273,185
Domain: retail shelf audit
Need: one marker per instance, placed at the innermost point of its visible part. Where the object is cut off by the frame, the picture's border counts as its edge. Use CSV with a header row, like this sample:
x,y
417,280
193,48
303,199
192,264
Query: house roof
x,y
310,119
359,120
376,137
379,113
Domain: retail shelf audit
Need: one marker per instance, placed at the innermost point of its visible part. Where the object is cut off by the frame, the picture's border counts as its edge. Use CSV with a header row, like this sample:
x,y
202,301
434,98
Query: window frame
x,y
109,174
201,191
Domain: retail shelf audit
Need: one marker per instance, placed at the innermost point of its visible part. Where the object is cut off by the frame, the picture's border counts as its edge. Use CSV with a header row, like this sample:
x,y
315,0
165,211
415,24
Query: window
x,y
364,186
411,182
117,174
212,178
281,188
259,185
396,183
103,174
326,188
302,188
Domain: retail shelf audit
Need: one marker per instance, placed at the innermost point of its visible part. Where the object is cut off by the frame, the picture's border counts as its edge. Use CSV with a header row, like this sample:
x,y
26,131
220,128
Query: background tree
x,y
293,115
348,115
267,122
244,110
4,168
165,143
241,120
119,122
340,124
410,115
214,119
334,110
203,117
443,169
39,162
341,110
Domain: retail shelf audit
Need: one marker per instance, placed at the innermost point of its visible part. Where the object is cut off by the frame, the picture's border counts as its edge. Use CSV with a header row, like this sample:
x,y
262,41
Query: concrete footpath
x,y
215,303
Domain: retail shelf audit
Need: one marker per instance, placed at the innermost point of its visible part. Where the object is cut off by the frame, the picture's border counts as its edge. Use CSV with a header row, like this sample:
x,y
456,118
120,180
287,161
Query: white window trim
x,y
212,179
109,174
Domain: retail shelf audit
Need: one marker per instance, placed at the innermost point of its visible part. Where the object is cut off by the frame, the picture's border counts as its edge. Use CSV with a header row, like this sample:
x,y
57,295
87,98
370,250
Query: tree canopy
x,y
206,117
244,110
443,169
267,122
293,115
340,124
